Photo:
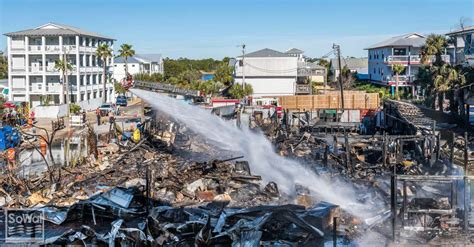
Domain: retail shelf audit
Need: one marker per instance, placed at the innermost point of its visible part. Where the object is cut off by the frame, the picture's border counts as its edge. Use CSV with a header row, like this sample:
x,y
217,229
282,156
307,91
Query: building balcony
x,y
403,80
17,90
412,59
35,69
35,48
90,69
87,48
69,48
303,89
52,48
50,88
51,69
18,70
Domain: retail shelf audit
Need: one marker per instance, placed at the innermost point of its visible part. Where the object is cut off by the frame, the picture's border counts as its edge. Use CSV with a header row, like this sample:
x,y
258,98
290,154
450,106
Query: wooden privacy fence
x,y
352,100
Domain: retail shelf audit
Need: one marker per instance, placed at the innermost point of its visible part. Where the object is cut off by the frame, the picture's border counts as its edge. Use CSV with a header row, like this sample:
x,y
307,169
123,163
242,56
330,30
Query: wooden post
x,y
393,202
334,229
466,182
438,148
405,202
451,154
348,153
384,149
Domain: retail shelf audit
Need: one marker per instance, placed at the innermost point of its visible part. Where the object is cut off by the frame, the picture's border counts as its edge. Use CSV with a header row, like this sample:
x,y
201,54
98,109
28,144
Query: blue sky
x,y
214,28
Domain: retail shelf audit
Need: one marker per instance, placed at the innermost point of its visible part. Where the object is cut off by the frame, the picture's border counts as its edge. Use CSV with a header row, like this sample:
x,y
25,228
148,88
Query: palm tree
x,y
444,79
104,52
126,51
64,66
435,44
397,69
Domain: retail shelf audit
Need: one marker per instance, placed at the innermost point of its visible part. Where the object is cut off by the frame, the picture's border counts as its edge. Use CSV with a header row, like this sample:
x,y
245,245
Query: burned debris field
x,y
255,177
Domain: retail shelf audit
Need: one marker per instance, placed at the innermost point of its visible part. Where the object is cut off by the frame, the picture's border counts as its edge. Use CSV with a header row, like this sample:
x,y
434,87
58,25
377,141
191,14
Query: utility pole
x,y
337,50
243,66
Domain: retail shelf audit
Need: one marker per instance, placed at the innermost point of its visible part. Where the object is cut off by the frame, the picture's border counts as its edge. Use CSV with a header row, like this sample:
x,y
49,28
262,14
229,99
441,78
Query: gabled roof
x,y
267,53
351,63
152,57
411,39
140,58
294,51
54,29
129,60
468,29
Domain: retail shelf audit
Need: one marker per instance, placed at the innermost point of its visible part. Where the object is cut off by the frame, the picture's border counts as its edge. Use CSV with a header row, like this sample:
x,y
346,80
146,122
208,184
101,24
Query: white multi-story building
x,y
32,76
140,63
462,50
273,73
404,49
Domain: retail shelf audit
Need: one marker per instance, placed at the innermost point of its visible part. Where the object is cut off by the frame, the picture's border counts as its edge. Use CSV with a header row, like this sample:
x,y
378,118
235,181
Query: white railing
x,y
401,78
36,88
51,69
35,48
18,89
18,69
18,48
54,88
69,48
413,59
35,69
87,48
53,48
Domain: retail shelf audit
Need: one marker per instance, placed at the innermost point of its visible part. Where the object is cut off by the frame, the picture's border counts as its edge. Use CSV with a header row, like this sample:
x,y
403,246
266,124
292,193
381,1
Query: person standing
x,y
97,113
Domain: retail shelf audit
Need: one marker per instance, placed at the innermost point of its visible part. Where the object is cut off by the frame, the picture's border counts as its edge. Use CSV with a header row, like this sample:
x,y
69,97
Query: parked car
x,y
121,100
105,109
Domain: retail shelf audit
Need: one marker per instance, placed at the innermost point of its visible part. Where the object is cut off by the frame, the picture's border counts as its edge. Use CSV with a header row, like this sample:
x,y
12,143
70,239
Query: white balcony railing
x,y
36,88
402,79
51,69
54,88
18,89
303,88
35,48
69,48
412,59
35,69
18,70
53,48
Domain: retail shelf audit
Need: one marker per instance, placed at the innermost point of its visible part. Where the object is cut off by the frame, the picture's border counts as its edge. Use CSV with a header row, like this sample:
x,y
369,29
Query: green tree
x,y
3,66
237,92
173,81
104,52
188,76
438,80
74,109
224,74
64,66
397,68
119,88
436,45
348,78
126,51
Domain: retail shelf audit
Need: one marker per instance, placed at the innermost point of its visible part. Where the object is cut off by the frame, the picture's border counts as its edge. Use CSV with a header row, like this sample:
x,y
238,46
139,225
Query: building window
x,y
82,96
374,70
399,51
100,93
95,95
